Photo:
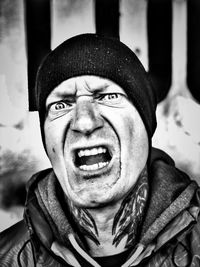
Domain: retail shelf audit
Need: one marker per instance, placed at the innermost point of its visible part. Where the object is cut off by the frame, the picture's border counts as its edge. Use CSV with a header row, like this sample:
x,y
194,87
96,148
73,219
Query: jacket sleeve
x,y
195,245
187,251
194,237
15,247
191,241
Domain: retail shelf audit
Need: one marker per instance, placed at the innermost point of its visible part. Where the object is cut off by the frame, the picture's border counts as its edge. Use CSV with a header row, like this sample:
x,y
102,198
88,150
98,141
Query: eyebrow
x,y
63,95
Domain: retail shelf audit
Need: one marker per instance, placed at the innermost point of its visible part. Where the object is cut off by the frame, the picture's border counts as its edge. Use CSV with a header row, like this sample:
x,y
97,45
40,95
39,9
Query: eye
x,y
60,106
111,98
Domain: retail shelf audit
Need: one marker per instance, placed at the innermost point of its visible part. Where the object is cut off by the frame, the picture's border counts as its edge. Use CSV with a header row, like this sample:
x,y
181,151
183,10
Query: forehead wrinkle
x,y
84,87
103,85
97,87
63,89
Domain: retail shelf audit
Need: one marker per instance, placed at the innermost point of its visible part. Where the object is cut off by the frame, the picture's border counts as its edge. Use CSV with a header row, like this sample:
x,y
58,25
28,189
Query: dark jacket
x,y
170,234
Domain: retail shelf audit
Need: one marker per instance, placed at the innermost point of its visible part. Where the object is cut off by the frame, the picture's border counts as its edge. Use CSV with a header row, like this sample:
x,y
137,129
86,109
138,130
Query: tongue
x,y
90,160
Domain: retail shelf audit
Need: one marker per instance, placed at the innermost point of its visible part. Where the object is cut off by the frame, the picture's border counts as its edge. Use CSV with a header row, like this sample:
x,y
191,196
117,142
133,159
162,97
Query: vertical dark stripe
x,y
159,29
107,17
193,47
38,40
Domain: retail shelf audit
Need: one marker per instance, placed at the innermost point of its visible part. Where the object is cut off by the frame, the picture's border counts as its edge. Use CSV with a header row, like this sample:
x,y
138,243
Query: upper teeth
x,y
89,152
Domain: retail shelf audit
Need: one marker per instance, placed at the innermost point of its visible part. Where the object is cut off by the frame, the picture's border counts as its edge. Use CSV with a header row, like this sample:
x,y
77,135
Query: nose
x,y
86,116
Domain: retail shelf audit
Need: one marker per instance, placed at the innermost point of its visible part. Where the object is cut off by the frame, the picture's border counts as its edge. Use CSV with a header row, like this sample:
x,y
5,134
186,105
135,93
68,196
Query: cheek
x,y
53,140
134,146
135,135
129,128
128,135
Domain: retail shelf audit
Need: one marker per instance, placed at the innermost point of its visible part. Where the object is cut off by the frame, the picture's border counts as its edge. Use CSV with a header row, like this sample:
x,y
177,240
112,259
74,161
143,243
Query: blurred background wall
x,y
178,112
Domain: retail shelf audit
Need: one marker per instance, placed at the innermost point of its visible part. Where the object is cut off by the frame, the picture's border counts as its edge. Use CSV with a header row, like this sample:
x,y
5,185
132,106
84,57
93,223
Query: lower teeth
x,y
94,166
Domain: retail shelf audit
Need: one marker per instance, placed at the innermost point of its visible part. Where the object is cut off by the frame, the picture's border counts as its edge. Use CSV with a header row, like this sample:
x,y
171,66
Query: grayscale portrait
x,y
100,133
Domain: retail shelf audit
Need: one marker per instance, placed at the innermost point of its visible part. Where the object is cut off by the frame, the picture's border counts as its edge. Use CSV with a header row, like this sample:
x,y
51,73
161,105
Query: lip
x,y
89,174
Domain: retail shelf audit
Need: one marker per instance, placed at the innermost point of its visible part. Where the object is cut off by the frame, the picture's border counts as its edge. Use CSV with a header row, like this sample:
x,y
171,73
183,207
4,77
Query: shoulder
x,y
15,243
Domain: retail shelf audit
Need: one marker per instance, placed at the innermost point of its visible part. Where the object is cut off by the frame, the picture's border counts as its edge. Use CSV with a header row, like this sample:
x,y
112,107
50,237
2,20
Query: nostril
x,y
86,125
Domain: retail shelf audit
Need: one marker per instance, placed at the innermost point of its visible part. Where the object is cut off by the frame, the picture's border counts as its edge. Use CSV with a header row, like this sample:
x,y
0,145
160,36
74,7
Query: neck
x,y
113,229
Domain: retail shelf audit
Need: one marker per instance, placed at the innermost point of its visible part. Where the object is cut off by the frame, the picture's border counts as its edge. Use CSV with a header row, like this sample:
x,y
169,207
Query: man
x,y
110,199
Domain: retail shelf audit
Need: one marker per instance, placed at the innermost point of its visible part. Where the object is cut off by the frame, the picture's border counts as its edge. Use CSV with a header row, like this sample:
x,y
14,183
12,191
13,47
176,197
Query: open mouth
x,y
92,159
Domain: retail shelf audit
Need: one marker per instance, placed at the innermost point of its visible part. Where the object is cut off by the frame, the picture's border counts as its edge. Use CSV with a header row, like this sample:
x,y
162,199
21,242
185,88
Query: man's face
x,y
95,140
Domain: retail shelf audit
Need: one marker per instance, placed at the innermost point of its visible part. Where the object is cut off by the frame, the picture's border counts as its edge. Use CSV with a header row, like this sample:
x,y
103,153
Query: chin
x,y
97,197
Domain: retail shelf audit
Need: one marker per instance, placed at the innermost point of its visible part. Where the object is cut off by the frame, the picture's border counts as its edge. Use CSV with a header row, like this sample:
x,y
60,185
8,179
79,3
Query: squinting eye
x,y
111,98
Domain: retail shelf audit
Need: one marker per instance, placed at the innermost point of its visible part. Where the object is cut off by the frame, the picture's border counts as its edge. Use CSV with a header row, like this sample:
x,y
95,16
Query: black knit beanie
x,y
90,54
